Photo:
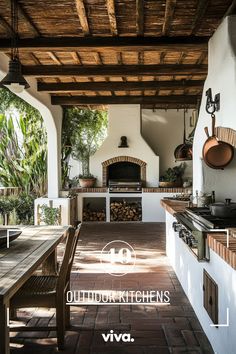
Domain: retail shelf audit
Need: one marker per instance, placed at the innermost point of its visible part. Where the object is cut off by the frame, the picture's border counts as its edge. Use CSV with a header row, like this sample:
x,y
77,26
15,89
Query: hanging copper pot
x,y
216,154
184,152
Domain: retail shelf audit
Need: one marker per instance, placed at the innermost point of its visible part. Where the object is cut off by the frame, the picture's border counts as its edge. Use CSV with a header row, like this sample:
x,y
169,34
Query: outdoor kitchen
x,y
127,172
117,176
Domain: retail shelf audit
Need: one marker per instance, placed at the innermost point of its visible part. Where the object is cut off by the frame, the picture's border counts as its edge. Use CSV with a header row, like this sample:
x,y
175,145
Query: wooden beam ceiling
x,y
200,12
140,17
169,13
88,44
119,86
78,100
6,26
112,16
113,70
25,17
82,17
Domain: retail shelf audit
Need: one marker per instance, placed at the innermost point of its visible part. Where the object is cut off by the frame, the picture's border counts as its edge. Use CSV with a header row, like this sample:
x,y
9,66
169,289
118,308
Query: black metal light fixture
x,y
14,80
184,151
123,142
212,106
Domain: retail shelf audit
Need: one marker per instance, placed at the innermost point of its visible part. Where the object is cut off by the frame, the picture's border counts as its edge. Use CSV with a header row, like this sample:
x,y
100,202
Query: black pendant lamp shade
x,y
14,79
184,152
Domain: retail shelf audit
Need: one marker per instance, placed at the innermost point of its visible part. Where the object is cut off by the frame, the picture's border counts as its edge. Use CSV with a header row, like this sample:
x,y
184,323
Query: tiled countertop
x,y
217,241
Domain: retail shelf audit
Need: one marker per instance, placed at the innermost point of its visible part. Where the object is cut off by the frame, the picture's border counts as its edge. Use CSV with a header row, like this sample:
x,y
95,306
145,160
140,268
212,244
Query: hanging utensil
x,y
183,152
216,154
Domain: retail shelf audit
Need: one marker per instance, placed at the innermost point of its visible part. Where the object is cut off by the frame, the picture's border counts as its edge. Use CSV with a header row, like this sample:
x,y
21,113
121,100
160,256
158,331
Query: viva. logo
x,y
113,337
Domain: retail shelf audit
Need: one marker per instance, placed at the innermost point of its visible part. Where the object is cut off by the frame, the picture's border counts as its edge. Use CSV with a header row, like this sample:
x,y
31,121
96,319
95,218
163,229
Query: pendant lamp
x,y
14,79
184,152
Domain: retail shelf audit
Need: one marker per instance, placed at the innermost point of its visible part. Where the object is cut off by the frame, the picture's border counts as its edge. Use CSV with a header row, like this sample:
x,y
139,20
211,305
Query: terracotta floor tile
x,y
156,329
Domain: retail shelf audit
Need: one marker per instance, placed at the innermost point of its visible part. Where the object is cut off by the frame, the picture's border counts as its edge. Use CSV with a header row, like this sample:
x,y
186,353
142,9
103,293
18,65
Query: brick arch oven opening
x,y
124,169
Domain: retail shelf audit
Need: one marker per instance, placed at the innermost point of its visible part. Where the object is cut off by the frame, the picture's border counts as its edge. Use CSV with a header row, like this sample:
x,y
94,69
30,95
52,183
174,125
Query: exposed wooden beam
x,y
231,10
35,59
25,17
113,70
100,44
82,16
202,58
54,58
162,57
200,12
76,58
76,100
140,17
169,13
140,62
120,62
6,26
180,60
119,86
112,16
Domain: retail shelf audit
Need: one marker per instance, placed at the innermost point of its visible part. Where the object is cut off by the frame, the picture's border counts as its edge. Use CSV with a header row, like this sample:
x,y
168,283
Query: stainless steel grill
x,y
124,186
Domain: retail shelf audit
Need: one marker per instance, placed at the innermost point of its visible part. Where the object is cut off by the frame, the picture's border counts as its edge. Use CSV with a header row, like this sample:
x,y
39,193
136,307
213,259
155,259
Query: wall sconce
x,y
123,142
212,106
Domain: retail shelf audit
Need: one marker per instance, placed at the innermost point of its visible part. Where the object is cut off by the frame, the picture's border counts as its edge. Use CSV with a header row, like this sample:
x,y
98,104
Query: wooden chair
x,y
50,291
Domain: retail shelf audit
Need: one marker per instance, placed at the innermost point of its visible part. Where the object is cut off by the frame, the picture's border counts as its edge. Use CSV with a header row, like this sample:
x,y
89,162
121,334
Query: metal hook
x,y
212,106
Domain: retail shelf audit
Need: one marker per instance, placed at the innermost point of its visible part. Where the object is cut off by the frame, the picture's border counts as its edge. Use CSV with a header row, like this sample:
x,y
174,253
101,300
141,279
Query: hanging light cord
x,y
14,25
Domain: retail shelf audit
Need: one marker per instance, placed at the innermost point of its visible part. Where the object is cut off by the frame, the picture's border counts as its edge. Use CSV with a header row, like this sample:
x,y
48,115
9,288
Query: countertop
x,y
144,190
217,241
174,206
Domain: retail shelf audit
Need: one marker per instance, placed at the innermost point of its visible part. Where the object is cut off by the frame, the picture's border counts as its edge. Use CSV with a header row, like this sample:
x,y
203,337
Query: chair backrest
x,y
67,262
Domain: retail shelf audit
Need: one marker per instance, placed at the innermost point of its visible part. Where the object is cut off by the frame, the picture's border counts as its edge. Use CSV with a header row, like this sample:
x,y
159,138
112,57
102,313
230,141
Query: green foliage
x,y
7,205
173,174
83,132
21,206
88,176
50,216
23,145
25,209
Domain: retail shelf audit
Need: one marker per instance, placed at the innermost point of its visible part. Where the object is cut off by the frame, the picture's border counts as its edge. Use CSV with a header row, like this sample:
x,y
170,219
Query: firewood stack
x,y
126,211
91,215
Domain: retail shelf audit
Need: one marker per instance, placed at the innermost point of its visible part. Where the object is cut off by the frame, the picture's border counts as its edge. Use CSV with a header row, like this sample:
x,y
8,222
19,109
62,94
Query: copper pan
x,y
216,154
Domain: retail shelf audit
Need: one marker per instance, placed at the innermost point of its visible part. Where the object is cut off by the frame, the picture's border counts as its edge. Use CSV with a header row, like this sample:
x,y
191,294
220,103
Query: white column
x,y
52,116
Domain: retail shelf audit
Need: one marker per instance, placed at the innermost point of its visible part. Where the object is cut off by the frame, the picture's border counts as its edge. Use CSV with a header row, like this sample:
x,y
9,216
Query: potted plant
x,y
173,177
89,131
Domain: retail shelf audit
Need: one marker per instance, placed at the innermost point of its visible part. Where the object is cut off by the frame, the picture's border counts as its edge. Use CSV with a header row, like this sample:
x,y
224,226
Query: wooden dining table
x,y
35,246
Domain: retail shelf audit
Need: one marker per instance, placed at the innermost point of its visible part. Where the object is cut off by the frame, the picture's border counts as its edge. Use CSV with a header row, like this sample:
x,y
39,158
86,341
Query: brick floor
x,y
158,329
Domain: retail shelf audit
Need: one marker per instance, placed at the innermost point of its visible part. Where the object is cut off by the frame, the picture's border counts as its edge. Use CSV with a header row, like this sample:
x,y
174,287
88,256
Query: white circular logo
x,y
118,258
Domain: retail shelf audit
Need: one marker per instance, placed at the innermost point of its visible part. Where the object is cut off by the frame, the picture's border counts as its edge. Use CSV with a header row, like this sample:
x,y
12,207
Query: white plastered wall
x,y
125,120
52,116
221,79
163,130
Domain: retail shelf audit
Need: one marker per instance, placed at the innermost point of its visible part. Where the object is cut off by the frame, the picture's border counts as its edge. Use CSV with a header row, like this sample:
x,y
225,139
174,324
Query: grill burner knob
x,y
189,241
176,226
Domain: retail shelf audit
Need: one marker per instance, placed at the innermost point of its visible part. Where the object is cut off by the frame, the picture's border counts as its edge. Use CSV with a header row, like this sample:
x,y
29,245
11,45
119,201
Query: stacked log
x,y
125,211
91,215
